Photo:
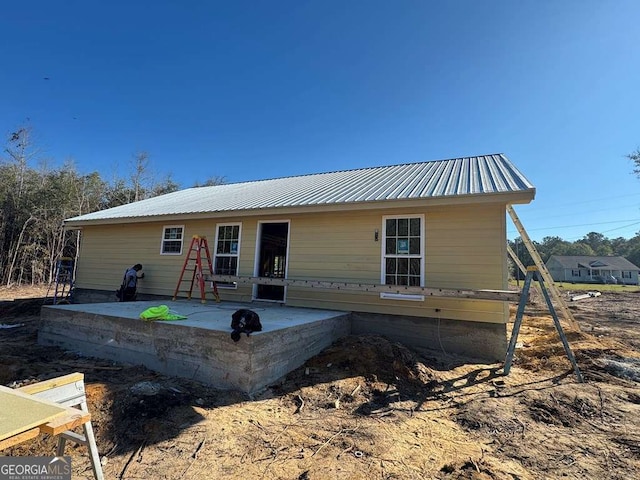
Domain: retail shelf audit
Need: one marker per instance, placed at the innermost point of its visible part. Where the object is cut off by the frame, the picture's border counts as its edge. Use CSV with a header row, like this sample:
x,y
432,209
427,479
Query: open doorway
x,y
273,240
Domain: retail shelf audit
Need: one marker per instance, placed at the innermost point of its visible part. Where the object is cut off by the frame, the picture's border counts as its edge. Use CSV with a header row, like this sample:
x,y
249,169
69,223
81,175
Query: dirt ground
x,y
365,408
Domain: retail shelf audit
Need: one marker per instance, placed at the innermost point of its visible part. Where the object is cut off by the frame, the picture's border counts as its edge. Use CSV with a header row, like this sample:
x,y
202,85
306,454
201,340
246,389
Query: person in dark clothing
x,y
127,291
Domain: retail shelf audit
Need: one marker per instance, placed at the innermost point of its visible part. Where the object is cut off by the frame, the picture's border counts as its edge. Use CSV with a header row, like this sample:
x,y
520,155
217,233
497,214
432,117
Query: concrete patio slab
x,y
199,347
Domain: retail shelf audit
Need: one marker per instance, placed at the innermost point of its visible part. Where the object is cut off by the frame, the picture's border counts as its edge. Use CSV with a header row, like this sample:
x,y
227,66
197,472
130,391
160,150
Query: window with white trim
x,y
172,236
626,274
403,254
227,252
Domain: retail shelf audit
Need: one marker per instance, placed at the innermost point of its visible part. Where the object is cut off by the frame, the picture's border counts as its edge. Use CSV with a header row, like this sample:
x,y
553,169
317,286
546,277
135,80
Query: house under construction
x,y
416,252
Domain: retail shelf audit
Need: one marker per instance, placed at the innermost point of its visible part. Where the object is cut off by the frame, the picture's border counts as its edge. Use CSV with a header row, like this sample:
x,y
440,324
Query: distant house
x,y
592,269
429,224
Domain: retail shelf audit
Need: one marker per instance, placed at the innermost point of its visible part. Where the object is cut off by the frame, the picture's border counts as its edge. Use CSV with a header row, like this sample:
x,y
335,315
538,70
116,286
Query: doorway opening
x,y
273,241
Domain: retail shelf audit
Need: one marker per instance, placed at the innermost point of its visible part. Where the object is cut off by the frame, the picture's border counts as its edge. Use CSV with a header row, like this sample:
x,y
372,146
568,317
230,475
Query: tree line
x,y
36,199
591,244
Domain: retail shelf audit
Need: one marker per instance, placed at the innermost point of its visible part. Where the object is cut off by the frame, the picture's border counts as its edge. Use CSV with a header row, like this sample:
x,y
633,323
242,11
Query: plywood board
x,y
18,412
21,437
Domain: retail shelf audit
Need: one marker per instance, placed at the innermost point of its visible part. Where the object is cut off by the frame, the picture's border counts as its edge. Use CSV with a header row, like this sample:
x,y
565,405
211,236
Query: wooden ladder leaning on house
x,y
194,258
543,271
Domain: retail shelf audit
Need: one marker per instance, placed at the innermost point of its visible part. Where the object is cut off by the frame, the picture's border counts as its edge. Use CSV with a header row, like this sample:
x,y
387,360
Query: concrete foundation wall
x,y
274,355
200,348
204,355
484,341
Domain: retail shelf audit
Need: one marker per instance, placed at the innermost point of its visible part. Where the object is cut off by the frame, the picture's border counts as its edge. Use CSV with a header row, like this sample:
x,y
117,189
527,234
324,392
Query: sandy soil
x,y
365,408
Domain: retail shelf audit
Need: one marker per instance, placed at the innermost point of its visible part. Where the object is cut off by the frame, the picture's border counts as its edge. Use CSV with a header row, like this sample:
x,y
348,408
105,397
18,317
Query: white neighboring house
x,y
592,269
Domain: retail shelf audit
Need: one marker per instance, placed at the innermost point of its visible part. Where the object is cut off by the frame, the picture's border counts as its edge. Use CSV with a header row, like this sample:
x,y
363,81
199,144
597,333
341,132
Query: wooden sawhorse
x,y
68,391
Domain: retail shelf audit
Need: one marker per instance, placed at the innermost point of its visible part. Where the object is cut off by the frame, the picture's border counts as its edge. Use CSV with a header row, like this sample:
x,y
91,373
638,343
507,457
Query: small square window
x,y
172,237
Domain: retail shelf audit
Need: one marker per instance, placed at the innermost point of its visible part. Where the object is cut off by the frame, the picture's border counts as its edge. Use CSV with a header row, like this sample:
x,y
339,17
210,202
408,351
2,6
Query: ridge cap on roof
x,y
405,164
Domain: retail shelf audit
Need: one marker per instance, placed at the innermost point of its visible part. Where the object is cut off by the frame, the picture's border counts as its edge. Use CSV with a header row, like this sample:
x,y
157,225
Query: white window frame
x,y
233,285
383,257
163,240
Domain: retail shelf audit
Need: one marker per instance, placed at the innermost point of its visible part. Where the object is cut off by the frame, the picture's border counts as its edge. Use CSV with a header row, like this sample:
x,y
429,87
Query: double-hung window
x,y
227,252
172,236
403,254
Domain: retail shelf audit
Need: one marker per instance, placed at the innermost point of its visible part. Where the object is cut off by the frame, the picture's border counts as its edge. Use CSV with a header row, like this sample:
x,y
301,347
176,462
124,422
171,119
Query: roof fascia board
x,y
523,197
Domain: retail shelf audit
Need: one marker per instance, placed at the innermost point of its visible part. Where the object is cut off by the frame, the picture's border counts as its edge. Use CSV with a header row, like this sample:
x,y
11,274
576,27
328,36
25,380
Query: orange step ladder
x,y
198,247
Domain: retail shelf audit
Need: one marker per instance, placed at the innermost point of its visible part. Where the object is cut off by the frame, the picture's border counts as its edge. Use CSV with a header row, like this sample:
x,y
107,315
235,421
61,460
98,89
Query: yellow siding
x,y
107,251
465,248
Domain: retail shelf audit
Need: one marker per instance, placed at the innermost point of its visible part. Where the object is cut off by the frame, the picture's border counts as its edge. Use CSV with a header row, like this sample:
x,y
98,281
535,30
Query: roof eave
x,y
521,197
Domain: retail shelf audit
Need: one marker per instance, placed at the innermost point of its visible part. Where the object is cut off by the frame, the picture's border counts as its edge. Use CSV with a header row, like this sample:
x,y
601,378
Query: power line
x,y
611,230
575,238
585,225
599,200
573,213
555,207
591,200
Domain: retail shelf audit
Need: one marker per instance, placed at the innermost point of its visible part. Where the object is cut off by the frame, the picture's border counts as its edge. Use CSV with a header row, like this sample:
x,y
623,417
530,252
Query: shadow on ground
x,y
132,406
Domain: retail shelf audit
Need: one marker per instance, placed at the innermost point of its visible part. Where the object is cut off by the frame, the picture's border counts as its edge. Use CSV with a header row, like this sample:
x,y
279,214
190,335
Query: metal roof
x,y
481,175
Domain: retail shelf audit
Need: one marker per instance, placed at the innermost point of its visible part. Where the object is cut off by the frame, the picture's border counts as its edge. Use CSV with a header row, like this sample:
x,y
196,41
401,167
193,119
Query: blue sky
x,y
252,90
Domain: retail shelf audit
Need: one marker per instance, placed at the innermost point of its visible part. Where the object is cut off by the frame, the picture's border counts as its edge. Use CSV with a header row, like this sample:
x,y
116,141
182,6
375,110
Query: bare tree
x,y
140,175
212,181
20,152
35,202
635,158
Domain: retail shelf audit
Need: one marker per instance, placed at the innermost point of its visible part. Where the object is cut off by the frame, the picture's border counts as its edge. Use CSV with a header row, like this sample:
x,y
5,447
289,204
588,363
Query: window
x,y
227,252
626,274
172,236
403,251
576,273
